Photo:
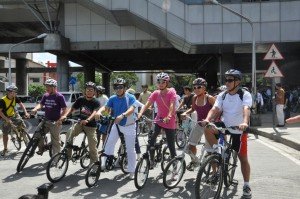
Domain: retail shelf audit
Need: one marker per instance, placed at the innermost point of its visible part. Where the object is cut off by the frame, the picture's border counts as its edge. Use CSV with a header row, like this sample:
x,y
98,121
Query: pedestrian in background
x,y
279,100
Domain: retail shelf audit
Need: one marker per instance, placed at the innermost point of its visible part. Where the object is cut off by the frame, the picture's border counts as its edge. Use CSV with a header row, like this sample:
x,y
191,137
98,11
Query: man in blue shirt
x,y
122,107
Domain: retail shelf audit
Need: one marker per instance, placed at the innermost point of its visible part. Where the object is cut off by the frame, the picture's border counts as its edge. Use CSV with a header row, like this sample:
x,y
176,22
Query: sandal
x,y
4,152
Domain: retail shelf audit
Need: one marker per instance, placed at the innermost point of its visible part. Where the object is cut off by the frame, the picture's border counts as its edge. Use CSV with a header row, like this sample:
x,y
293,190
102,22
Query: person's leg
x,y
5,130
152,141
130,135
170,135
280,114
92,142
73,132
55,137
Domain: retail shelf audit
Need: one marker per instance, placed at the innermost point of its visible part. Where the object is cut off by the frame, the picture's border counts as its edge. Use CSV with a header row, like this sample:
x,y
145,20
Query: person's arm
x,y
36,108
24,109
292,120
147,105
4,117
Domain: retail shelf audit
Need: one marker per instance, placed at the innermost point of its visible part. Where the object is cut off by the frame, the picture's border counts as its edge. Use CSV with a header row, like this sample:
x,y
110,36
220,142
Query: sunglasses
x,y
229,80
119,87
161,81
90,89
198,87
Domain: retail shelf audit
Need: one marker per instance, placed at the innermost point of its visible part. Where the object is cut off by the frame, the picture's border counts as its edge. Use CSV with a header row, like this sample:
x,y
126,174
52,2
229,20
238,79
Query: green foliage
x,y
178,81
36,90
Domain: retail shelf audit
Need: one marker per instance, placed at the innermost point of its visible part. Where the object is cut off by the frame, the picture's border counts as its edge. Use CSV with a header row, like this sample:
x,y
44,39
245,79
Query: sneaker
x,y
4,152
131,176
191,166
247,191
40,152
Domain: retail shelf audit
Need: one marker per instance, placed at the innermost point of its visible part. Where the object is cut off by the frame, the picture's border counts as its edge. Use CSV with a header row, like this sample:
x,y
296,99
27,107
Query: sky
x,y
45,57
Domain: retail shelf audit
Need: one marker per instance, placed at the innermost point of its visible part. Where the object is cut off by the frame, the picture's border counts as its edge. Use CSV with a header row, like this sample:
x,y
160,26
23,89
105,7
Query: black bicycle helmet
x,y
200,81
120,81
234,73
12,88
90,84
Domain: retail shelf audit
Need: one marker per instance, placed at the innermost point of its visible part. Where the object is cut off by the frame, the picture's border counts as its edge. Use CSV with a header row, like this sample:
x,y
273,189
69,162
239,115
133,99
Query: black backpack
x,y
241,92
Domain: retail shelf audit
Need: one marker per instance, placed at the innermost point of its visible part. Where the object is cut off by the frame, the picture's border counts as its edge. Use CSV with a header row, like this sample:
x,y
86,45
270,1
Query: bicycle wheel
x,y
92,175
180,138
141,172
173,172
124,164
209,178
28,153
166,157
57,167
230,166
16,140
85,158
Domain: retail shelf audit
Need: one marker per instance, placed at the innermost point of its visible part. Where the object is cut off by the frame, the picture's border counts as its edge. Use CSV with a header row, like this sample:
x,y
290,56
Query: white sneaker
x,y
131,176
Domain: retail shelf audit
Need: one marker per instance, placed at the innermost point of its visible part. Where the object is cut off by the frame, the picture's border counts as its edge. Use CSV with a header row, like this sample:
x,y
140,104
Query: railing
x,y
200,2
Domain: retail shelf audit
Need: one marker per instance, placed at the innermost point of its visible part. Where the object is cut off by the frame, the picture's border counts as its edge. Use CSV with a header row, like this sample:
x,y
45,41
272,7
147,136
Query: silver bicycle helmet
x,y
234,73
200,81
90,84
12,88
120,81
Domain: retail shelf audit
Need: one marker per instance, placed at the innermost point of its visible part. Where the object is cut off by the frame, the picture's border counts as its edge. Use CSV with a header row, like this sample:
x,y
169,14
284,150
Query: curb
x,y
276,138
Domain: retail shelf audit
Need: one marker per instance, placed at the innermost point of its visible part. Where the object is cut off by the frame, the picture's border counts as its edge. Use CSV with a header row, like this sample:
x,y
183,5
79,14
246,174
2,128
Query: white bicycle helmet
x,y
163,76
234,73
51,82
200,81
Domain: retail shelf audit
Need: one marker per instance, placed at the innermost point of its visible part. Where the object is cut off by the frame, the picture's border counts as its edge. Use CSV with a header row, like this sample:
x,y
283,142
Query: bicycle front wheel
x,y
57,167
173,173
230,166
141,172
124,164
166,157
209,178
92,175
180,138
85,158
28,153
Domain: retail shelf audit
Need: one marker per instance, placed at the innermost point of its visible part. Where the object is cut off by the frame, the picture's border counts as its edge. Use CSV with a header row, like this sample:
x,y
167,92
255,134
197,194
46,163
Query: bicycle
x,y
219,167
162,155
143,127
176,168
39,134
58,165
18,135
93,173
182,133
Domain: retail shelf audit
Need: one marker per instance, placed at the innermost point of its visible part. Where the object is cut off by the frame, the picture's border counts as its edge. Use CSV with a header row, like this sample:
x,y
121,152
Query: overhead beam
x,y
41,70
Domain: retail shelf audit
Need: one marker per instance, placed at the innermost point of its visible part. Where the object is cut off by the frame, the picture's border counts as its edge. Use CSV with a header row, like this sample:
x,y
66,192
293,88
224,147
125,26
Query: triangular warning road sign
x,y
273,71
273,54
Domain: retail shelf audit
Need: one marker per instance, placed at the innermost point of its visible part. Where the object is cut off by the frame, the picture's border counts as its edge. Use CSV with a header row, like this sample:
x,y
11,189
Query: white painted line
x,y
281,152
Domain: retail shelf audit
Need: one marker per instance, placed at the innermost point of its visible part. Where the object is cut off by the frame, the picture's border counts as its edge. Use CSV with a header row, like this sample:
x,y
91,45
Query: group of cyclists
x,y
231,107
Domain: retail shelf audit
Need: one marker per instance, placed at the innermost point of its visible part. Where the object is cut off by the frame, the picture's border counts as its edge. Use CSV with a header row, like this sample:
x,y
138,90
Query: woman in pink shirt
x,y
165,99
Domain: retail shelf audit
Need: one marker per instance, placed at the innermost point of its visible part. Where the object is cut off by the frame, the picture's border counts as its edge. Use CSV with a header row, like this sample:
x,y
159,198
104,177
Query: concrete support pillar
x,y
226,62
22,76
62,70
89,73
106,82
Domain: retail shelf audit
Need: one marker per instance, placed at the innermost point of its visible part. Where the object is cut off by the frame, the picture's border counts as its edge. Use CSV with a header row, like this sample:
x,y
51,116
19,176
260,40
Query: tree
x,y
36,90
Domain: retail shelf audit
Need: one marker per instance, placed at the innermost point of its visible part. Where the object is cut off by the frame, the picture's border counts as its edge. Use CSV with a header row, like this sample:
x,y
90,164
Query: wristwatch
x,y
123,115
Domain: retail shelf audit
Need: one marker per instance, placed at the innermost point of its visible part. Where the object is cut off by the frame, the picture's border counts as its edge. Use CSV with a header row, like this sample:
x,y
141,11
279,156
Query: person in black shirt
x,y
186,103
88,106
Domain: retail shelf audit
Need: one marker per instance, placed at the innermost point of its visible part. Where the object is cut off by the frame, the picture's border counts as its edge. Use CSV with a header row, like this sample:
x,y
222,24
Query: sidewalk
x,y
288,135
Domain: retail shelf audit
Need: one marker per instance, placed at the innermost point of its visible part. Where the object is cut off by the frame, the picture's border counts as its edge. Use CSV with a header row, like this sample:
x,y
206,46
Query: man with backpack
x,y
234,105
9,115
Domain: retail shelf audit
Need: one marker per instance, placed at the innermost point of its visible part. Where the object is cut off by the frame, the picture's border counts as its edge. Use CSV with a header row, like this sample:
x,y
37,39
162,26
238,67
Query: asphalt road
x,y
275,174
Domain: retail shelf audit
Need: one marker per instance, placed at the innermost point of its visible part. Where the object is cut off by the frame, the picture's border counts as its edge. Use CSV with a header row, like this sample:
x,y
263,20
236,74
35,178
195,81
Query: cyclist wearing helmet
x,y
55,106
88,106
102,128
235,112
166,118
201,103
121,106
9,115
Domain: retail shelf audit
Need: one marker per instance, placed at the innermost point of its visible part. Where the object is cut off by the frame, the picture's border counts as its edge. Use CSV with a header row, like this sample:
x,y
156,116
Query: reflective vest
x,y
9,106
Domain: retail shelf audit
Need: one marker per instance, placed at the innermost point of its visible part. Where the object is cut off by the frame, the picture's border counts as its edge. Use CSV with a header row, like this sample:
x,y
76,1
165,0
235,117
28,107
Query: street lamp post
x,y
14,45
253,48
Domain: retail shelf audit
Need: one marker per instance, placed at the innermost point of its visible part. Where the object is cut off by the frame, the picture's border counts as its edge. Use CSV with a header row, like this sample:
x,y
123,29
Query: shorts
x,y
239,141
17,120
196,135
